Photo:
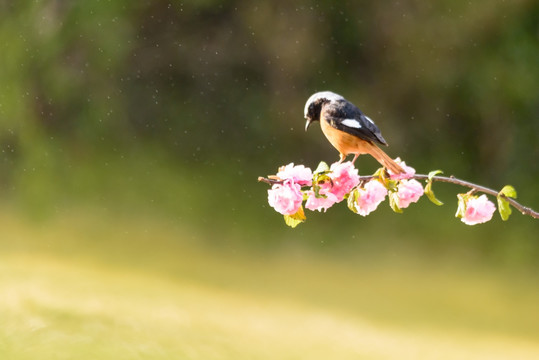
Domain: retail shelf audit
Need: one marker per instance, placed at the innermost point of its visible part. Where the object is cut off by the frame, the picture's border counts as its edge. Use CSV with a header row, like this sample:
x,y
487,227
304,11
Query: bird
x,y
347,128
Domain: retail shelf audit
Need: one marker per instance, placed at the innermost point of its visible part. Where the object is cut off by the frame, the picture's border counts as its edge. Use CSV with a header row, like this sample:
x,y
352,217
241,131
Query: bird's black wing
x,y
345,116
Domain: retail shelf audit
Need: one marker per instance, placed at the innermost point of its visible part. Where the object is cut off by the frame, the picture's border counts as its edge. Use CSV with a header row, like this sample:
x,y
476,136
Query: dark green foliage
x,y
218,88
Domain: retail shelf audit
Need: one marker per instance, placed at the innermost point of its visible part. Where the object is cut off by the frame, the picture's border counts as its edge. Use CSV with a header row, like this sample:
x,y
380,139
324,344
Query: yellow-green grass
x,y
89,286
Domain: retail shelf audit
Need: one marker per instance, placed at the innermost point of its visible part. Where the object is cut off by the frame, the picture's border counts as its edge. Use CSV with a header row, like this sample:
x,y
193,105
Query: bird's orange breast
x,y
344,143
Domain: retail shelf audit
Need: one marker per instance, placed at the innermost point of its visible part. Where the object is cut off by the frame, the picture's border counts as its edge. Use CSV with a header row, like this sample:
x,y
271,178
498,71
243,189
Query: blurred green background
x,y
131,222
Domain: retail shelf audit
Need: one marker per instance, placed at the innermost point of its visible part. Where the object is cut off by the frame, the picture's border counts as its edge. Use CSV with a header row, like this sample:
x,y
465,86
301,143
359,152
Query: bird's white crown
x,y
331,96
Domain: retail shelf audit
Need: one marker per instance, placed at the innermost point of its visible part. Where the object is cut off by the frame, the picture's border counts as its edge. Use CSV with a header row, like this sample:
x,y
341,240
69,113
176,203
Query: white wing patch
x,y
368,119
353,123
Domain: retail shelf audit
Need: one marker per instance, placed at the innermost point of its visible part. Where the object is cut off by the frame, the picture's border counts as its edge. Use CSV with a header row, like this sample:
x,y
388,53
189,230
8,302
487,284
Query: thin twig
x,y
269,181
452,180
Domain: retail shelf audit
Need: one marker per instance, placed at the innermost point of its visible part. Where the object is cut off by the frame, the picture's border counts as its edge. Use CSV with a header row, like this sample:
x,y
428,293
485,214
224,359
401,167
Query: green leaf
x,y
504,208
390,185
503,205
394,201
383,177
380,173
352,199
322,168
316,189
428,188
434,173
317,180
509,191
430,194
461,209
295,219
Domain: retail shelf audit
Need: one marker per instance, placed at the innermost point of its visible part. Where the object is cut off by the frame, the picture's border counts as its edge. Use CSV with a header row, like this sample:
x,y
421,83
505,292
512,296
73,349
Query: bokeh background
x,y
131,222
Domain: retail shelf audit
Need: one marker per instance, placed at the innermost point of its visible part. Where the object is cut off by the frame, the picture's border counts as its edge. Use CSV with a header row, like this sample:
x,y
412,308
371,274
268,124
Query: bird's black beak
x,y
308,123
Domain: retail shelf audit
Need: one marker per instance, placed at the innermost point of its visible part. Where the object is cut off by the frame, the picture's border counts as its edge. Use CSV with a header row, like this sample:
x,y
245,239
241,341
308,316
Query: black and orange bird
x,y
347,128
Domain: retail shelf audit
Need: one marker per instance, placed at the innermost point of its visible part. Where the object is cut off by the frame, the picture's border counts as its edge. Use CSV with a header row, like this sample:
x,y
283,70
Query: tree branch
x,y
452,180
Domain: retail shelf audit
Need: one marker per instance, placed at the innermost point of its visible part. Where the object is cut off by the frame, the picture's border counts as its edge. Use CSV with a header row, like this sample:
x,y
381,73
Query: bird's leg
x,y
343,157
355,157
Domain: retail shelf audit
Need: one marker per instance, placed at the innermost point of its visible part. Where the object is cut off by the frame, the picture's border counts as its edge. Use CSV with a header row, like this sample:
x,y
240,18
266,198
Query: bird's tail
x,y
385,160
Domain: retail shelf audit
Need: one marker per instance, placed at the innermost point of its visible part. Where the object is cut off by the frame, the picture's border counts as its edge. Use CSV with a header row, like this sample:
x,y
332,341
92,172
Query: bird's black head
x,y
313,106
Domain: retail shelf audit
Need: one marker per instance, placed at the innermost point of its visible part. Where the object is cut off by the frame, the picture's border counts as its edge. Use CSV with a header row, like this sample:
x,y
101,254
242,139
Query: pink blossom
x,y
299,174
408,171
478,210
369,197
285,198
323,202
408,191
345,177
320,203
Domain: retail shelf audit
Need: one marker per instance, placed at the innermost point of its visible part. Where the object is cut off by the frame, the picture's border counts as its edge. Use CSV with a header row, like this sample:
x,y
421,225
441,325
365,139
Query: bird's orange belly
x,y
344,142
